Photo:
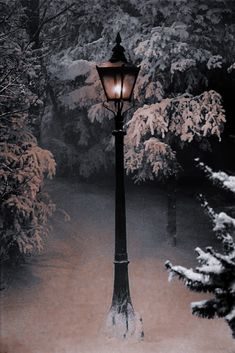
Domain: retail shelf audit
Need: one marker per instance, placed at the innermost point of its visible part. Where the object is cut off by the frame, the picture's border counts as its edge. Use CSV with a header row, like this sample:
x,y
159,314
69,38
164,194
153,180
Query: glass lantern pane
x,y
108,83
117,89
113,85
118,81
128,86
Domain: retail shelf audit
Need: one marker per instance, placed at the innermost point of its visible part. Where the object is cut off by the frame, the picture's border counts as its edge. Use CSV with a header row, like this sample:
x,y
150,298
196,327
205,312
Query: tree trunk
x,y
32,21
171,211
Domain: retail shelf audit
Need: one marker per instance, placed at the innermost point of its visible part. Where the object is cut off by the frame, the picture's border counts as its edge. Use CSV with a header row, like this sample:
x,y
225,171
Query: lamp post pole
x,y
122,321
118,79
121,302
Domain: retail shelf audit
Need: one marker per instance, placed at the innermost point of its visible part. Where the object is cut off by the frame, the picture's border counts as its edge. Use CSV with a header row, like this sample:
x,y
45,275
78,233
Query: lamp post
x,y
118,78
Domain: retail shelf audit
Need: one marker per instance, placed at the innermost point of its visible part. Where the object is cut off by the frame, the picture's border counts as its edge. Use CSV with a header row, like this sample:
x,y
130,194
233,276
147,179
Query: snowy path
x,y
58,300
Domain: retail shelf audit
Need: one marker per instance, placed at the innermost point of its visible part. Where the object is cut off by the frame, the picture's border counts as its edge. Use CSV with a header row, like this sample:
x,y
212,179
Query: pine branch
x,y
195,281
208,210
225,260
221,230
231,323
206,309
203,257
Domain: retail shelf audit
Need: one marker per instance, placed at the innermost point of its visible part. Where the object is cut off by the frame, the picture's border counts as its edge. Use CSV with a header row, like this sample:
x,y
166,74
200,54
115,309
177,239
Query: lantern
x,y
118,77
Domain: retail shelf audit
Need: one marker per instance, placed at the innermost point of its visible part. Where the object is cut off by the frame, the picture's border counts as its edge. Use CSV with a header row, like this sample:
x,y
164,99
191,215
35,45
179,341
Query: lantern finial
x,y
118,51
118,38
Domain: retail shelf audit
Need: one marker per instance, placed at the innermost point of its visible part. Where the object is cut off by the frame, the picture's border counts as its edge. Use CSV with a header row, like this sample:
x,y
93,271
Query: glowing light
x,y
117,89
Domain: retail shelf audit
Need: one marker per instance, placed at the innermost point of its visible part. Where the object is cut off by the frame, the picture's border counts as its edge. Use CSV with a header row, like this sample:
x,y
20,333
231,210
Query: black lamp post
x,y
118,79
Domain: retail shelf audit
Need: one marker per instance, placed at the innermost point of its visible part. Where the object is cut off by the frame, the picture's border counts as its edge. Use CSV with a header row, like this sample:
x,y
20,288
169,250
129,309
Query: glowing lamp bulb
x,y
117,89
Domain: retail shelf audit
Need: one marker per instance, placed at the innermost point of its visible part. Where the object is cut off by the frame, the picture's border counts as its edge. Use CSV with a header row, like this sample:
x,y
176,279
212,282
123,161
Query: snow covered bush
x,y
216,271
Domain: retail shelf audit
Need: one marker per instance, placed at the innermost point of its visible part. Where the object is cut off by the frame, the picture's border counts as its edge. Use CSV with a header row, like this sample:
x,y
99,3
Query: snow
x,y
231,68
119,329
204,257
191,275
58,302
98,113
67,69
222,220
182,65
231,315
199,304
213,268
214,62
79,97
227,180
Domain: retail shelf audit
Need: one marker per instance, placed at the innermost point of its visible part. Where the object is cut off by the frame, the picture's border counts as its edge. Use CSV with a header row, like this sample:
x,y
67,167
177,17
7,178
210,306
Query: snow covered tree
x,y
216,271
24,207
171,116
43,25
155,129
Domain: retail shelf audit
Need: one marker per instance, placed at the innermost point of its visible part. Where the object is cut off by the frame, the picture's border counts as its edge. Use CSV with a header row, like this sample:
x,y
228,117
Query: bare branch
x,y
53,18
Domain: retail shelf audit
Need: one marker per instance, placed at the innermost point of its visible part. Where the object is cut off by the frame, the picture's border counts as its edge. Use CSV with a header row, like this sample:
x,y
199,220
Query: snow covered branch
x,y
225,180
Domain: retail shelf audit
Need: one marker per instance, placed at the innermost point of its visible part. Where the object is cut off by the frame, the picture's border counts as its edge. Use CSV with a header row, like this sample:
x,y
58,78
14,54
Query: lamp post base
x,y
125,324
122,321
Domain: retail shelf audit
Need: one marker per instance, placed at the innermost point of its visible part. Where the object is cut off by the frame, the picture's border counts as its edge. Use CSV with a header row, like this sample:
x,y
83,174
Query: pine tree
x,y
216,271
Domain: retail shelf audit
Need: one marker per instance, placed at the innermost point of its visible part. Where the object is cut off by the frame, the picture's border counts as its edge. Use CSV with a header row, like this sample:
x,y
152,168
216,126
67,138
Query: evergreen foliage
x,y
154,128
216,271
24,209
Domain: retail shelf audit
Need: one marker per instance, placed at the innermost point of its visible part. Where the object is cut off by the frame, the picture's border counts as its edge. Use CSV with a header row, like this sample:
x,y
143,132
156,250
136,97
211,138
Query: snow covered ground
x,y
58,301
